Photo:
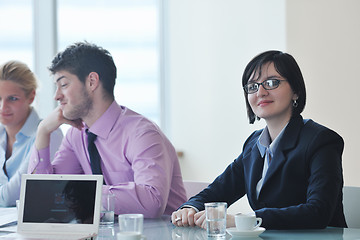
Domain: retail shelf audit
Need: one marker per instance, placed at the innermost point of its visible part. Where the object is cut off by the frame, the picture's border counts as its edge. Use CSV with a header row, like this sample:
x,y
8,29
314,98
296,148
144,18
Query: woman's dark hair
x,y
287,67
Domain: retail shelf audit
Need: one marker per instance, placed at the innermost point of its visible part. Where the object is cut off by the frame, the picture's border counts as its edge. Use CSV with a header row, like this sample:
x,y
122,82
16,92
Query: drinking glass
x,y
107,210
216,219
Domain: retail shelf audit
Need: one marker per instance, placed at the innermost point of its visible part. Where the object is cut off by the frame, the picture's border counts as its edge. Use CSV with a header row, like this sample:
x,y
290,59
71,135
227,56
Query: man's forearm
x,y
42,137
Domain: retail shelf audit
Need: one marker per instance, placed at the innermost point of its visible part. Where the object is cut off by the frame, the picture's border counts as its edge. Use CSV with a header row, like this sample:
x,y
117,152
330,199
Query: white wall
x,y
324,36
210,42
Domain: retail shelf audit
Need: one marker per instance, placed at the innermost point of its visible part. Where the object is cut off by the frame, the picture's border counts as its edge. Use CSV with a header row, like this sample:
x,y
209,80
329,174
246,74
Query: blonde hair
x,y
19,73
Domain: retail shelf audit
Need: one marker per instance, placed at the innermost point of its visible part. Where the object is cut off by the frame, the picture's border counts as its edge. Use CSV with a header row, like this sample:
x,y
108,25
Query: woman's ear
x,y
32,96
295,97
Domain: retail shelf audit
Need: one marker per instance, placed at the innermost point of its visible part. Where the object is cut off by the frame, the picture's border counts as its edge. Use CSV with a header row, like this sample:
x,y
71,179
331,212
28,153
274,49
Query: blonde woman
x,y
18,125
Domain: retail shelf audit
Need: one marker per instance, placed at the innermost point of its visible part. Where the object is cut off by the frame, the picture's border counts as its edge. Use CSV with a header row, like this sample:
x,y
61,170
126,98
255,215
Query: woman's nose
x,y
262,91
2,104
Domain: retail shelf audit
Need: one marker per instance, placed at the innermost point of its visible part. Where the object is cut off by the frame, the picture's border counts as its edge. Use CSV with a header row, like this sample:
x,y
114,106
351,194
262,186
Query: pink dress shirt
x,y
139,164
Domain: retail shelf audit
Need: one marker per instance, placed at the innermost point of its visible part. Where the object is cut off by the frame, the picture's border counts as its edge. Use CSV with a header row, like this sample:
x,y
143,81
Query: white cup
x,y
130,227
130,236
247,222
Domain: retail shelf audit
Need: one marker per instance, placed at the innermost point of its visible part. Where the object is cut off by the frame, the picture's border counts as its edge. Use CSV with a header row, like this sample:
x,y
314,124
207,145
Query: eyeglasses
x,y
268,84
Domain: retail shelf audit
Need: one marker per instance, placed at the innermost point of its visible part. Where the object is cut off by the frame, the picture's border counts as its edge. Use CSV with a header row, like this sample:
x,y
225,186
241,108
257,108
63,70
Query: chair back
x,y
242,205
193,187
351,202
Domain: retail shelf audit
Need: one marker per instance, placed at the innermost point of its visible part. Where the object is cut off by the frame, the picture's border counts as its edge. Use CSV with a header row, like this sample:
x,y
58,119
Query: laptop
x,y
54,206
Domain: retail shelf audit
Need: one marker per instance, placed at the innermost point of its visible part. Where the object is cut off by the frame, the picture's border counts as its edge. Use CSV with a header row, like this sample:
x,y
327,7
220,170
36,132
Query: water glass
x,y
216,219
106,233
107,210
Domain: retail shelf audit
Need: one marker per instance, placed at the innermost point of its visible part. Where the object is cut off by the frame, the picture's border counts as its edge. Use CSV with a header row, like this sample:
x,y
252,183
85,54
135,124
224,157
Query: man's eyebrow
x,y
58,79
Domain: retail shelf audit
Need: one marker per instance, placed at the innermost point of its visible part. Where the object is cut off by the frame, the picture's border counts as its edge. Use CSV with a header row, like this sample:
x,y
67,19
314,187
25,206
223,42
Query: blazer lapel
x,y
287,142
253,165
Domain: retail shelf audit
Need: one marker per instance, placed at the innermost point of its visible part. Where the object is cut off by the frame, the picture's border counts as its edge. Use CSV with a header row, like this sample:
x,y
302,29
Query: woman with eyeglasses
x,y
291,171
18,125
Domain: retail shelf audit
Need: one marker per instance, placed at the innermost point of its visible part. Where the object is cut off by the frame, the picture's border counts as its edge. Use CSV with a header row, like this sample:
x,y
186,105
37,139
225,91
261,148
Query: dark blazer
x,y
303,184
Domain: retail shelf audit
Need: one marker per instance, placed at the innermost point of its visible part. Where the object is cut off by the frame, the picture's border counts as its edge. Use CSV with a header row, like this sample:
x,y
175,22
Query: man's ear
x,y
93,80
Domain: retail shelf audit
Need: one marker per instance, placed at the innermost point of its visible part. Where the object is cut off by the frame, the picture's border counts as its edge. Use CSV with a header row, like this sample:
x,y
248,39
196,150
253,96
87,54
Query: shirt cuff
x,y
189,206
39,161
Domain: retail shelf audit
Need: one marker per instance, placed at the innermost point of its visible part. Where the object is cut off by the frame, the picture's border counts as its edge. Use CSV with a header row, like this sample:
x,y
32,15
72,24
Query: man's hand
x,y
50,124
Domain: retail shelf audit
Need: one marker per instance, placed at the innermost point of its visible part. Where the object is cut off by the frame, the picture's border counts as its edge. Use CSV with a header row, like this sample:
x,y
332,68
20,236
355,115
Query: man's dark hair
x,y
82,58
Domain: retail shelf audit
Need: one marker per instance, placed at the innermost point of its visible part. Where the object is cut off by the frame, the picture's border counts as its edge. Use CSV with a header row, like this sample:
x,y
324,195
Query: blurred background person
x,y
18,125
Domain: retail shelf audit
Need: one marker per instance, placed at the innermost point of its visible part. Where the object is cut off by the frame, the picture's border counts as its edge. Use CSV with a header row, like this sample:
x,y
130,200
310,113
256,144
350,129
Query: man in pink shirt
x,y
138,162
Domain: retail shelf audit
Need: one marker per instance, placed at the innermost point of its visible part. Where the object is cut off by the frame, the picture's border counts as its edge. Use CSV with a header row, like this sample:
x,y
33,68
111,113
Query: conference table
x,y
163,229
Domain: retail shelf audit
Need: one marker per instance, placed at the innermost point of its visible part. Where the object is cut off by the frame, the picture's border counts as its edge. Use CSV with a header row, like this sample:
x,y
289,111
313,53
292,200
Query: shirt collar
x,y
27,129
105,123
2,136
264,142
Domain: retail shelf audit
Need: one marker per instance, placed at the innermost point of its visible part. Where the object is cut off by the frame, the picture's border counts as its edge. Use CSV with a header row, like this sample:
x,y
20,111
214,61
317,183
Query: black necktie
x,y
94,154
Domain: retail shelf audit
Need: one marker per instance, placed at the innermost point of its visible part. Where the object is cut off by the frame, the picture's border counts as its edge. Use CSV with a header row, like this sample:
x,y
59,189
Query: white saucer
x,y
246,233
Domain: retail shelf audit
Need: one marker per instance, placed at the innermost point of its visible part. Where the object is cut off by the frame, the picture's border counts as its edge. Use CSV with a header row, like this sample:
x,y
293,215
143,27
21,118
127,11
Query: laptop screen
x,y
60,204
59,201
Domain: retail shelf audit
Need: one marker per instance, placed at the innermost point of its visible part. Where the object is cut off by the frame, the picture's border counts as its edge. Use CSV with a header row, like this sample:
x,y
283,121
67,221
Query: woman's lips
x,y
5,114
264,103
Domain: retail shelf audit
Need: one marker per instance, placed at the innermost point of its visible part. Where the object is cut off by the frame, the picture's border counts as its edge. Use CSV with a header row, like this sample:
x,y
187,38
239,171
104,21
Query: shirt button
x,y
41,159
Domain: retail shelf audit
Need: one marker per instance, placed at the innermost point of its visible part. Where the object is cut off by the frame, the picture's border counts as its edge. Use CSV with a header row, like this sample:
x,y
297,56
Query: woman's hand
x,y
200,220
230,221
189,217
183,217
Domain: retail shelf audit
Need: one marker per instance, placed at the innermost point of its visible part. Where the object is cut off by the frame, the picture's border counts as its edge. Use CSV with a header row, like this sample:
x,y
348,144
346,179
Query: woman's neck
x,y
275,127
9,146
